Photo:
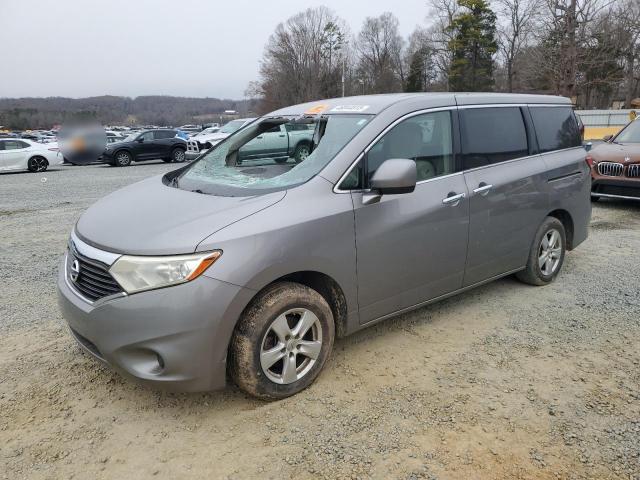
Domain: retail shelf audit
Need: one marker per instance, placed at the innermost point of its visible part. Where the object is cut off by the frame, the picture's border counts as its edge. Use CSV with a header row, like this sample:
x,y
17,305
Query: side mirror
x,y
395,176
588,146
606,138
140,139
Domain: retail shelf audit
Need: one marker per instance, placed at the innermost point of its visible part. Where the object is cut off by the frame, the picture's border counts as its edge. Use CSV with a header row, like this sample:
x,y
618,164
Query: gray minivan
x,y
251,269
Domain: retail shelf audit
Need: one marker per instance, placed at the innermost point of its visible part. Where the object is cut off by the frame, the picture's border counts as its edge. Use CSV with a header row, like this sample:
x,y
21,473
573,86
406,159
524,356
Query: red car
x,y
615,165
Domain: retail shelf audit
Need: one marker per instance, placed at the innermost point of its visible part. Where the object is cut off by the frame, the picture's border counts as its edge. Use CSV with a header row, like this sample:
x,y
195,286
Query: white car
x,y
202,143
22,154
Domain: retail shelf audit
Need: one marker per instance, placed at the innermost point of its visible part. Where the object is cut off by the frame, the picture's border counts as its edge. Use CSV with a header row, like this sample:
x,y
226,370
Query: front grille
x,y
610,169
193,146
633,170
93,279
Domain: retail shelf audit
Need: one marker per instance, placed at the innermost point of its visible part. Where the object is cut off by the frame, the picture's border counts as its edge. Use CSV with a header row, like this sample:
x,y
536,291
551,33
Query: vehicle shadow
x,y
617,203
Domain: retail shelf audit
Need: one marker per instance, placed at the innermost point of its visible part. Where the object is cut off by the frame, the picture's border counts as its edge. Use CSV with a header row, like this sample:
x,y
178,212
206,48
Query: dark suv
x,y
146,145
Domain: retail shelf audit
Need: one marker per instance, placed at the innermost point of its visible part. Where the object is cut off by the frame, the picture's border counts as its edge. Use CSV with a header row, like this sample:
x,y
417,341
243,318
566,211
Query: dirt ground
x,y
505,381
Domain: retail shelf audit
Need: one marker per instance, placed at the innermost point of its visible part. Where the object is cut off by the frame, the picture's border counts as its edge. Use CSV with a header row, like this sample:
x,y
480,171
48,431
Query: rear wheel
x,y
546,255
123,159
282,341
37,164
178,155
301,152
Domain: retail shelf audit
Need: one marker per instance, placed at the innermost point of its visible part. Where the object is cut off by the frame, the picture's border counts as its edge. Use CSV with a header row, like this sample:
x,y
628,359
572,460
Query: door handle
x,y
282,136
483,189
453,199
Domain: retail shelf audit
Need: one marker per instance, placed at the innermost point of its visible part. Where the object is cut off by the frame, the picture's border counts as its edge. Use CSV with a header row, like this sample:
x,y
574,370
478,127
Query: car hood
x,y
151,218
616,152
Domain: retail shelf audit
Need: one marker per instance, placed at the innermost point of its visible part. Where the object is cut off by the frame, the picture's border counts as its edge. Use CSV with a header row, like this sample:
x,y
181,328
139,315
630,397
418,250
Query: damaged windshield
x,y
271,154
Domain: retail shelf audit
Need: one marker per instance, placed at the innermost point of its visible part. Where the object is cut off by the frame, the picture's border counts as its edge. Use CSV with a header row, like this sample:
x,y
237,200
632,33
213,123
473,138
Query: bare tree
x,y
518,20
441,14
380,48
565,31
299,63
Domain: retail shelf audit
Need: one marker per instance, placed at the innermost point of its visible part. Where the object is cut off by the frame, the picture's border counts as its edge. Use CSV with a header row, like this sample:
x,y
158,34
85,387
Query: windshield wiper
x,y
174,182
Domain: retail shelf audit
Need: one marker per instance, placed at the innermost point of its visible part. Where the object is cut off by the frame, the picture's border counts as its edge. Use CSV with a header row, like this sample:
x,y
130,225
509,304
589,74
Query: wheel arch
x,y
326,286
124,149
567,222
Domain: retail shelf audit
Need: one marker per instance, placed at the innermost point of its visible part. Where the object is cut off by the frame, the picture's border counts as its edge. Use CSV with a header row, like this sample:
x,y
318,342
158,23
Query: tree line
x,y
25,113
587,50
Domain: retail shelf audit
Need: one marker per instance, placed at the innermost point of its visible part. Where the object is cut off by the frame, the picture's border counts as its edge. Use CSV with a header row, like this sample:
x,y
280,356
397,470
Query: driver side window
x,y
147,136
425,138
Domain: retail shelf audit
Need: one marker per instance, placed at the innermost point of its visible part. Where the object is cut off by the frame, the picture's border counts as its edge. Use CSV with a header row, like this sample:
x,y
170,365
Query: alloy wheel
x,y
303,153
123,158
291,346
178,155
550,252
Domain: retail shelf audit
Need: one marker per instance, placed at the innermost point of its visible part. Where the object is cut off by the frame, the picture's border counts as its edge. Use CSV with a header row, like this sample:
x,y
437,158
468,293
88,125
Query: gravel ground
x,y
505,381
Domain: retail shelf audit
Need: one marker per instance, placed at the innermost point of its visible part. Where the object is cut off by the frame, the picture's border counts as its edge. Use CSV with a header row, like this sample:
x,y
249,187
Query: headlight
x,y
136,274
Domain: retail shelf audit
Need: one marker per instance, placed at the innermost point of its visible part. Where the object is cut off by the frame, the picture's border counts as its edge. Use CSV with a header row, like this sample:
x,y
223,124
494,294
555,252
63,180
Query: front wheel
x,y
282,341
37,164
546,255
123,159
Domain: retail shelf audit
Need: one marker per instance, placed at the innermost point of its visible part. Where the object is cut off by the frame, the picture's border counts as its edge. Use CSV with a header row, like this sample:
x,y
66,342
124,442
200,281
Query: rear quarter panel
x,y
569,186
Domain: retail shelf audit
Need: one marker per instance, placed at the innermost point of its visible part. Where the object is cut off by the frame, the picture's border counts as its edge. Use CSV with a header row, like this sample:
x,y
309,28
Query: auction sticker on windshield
x,y
350,108
317,109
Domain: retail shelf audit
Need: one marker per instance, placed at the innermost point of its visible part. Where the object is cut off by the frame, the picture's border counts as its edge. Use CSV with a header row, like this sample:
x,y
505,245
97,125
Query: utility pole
x,y
343,69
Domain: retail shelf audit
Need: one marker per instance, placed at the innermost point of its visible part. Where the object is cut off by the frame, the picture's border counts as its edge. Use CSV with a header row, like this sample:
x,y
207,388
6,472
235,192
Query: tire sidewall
x,y
251,330
174,152
117,161
296,153
548,224
30,165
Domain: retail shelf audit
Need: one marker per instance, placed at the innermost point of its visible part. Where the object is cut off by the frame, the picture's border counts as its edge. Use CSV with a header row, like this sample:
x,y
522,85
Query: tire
x,y
37,164
535,273
178,155
258,355
302,151
122,159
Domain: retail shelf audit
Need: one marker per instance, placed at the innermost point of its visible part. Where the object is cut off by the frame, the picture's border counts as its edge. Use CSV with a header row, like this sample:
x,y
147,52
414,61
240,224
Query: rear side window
x,y
556,128
492,135
14,145
163,134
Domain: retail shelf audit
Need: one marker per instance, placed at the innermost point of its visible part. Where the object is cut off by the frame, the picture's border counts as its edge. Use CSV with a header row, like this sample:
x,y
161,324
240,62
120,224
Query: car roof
x,y
374,104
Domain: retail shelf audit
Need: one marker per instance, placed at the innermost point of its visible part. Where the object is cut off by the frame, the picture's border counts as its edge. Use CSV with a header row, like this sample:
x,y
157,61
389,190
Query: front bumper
x,y
174,338
615,187
192,155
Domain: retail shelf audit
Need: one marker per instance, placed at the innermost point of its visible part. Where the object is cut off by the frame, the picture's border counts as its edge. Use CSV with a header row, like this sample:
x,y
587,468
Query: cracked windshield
x,y
271,154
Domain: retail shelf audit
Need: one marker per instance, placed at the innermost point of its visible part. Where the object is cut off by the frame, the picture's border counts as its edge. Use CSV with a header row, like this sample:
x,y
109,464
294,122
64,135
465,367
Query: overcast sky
x,y
194,48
